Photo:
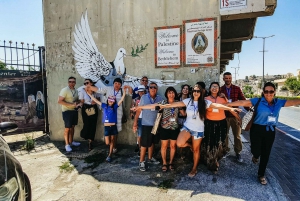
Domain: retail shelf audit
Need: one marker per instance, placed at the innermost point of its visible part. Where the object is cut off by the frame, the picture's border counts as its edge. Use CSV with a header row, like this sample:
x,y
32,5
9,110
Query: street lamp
x,y
263,80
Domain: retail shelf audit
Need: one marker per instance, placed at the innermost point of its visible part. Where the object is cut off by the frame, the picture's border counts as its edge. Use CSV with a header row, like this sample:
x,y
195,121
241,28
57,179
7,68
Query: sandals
x,y
262,180
90,145
254,160
164,168
171,167
192,173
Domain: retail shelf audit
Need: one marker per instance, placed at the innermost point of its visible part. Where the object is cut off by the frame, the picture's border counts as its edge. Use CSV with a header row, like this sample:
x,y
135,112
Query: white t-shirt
x,y
192,110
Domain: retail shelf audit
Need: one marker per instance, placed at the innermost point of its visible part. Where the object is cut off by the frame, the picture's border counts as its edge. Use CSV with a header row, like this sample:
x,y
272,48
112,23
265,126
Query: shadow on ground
x,y
233,180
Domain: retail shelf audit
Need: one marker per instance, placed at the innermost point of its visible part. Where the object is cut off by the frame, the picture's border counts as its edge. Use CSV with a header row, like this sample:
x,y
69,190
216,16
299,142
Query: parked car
x,y
14,183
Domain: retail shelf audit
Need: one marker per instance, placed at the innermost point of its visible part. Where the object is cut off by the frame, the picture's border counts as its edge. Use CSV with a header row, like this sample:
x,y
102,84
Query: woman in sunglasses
x,y
262,132
193,127
89,118
215,129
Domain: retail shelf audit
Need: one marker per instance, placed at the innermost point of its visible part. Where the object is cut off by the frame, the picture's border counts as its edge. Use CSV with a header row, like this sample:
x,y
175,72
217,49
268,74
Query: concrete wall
x,y
115,24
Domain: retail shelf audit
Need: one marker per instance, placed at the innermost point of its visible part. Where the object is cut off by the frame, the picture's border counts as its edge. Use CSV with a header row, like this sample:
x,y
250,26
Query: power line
x,y
235,73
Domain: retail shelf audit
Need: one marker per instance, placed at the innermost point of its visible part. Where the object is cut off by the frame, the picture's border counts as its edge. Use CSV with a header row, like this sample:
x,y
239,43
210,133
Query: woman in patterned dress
x,y
169,128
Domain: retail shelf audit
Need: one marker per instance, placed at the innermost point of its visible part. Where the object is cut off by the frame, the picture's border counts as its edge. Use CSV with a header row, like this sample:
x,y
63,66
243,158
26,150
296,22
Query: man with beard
x,y
233,93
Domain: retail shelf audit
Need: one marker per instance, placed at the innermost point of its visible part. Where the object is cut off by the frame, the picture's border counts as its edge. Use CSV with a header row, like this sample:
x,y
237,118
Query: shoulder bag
x,y
249,117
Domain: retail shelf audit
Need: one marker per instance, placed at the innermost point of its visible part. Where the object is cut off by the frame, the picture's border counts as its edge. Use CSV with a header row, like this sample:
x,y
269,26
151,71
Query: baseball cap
x,y
140,88
111,98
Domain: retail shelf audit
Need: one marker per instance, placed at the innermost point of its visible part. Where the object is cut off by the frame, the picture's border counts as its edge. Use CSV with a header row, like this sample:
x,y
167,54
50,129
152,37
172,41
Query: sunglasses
x,y
152,87
86,83
144,80
268,92
197,91
72,81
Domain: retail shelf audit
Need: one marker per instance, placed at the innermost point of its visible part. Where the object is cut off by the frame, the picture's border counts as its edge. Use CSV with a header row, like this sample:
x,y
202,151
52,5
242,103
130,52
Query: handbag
x,y
90,111
156,123
249,117
124,117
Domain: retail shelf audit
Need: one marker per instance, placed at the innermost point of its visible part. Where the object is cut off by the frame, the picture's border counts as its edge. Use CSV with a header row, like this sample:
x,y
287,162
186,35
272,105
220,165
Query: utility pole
x,y
235,73
263,51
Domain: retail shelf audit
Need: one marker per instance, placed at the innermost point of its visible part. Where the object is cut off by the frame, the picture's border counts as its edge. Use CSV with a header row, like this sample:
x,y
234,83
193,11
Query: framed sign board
x,y
167,45
200,42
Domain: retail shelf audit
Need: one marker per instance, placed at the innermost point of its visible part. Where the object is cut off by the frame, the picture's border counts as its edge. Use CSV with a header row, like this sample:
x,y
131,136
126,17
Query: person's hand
x,y
87,87
133,109
238,110
134,127
93,102
222,95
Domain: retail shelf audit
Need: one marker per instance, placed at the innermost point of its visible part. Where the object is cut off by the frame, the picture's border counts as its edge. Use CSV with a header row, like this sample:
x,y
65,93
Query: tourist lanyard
x,y
172,111
228,92
271,108
115,94
195,108
151,99
73,94
214,98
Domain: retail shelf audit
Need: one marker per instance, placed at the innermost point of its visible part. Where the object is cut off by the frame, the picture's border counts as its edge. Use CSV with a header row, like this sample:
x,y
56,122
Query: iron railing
x,y
21,57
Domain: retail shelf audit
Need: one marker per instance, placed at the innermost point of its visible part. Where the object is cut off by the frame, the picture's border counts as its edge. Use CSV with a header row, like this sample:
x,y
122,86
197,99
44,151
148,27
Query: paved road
x,y
285,156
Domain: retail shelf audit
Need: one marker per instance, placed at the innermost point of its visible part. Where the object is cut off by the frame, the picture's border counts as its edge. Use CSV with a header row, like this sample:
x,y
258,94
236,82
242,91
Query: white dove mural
x,y
92,64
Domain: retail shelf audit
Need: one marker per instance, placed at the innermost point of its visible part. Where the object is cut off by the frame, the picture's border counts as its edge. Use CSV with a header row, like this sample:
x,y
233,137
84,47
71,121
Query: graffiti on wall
x,y
92,64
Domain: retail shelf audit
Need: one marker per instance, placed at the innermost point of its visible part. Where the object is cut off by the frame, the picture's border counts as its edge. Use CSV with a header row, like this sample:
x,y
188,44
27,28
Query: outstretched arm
x,y
175,104
244,103
292,102
223,107
93,98
121,100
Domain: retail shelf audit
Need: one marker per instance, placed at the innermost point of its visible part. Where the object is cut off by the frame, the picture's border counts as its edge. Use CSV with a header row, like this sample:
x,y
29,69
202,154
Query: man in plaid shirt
x,y
233,93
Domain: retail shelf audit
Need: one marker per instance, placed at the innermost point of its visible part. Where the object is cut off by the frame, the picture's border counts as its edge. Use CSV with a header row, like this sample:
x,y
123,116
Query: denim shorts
x,y
110,130
139,132
195,134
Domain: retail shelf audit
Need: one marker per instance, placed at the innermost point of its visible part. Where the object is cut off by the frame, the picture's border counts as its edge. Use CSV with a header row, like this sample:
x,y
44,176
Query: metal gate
x,y
23,91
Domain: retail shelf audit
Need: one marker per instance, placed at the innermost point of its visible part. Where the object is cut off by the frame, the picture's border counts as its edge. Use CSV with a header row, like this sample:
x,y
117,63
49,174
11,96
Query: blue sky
x,y
22,20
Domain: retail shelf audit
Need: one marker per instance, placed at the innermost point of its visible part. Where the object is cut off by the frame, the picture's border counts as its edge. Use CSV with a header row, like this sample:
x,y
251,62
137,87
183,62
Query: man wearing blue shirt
x,y
148,118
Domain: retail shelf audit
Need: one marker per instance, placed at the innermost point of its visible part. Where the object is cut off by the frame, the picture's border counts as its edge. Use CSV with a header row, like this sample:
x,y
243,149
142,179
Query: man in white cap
x,y
143,81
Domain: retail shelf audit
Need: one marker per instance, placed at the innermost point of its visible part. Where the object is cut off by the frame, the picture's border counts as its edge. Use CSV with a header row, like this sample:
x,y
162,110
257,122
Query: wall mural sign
x,y
167,44
232,4
22,100
92,64
200,47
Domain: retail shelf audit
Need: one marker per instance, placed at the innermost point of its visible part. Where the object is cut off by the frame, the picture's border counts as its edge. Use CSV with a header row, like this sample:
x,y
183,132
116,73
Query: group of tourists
x,y
193,118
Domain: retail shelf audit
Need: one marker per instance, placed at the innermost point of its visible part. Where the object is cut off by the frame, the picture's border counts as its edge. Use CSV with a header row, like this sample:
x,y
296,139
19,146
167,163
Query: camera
x,y
77,108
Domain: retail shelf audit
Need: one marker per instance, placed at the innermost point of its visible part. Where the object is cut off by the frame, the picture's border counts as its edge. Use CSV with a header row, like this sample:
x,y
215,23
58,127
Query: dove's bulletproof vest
x,y
109,79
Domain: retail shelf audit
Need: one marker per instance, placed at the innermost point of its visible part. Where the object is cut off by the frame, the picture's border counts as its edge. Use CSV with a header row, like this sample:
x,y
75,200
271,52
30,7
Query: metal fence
x,y
21,56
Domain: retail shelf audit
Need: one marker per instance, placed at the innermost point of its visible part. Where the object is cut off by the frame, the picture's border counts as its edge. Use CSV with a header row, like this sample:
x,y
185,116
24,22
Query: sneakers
x,y
239,158
76,144
115,150
68,148
226,154
153,160
108,159
142,166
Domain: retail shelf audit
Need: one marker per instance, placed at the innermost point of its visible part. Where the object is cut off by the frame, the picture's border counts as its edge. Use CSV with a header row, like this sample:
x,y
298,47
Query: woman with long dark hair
x,y
262,132
215,129
89,118
194,125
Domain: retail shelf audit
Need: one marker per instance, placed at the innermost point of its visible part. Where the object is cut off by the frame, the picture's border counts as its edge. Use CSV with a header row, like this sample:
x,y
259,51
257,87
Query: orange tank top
x,y
215,114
